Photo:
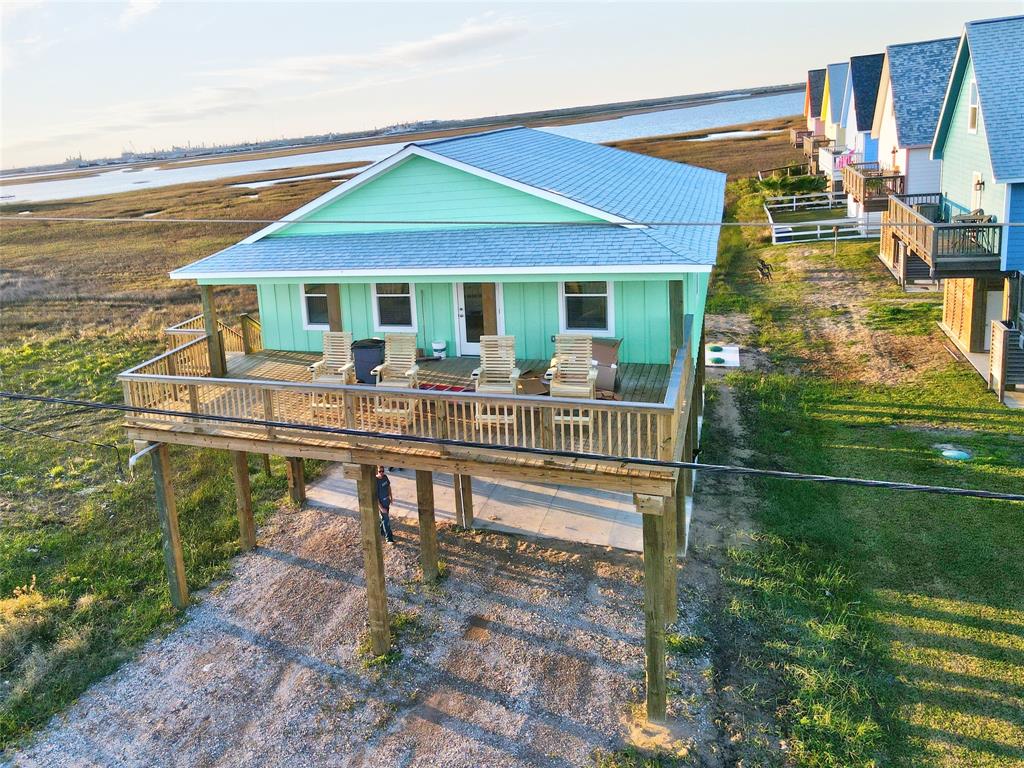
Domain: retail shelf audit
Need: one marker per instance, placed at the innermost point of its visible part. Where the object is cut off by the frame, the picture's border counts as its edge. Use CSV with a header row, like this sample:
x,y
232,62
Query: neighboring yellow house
x,y
832,102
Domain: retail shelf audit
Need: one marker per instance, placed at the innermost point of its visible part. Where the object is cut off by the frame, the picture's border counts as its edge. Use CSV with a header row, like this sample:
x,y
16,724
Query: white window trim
x,y
394,328
306,325
610,331
973,96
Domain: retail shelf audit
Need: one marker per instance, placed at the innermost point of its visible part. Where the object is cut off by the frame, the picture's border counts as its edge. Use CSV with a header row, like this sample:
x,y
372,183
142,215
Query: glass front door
x,y
477,314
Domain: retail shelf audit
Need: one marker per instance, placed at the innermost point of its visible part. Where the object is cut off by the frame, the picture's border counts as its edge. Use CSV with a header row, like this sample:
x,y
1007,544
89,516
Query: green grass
x,y
913,318
894,622
816,214
81,567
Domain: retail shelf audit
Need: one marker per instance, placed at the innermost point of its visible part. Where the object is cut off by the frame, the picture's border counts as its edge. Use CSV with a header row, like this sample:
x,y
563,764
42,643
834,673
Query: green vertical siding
x,y
425,190
642,320
964,153
530,309
531,315
435,313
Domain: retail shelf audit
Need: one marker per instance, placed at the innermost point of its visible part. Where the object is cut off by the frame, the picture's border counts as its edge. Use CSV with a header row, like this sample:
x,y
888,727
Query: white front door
x,y
477,313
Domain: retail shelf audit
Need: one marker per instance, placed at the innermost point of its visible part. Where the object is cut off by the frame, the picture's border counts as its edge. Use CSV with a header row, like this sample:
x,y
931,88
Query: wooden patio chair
x,y
399,368
337,366
399,371
573,374
497,375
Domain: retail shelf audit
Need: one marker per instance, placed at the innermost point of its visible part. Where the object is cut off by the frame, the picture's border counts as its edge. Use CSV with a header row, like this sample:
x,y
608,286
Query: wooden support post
x,y
428,526
167,510
671,572
243,496
373,560
218,361
676,315
333,306
463,487
265,458
651,509
296,479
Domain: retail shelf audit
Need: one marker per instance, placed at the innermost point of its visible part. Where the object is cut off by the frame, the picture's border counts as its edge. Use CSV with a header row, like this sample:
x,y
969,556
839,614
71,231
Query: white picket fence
x,y
841,228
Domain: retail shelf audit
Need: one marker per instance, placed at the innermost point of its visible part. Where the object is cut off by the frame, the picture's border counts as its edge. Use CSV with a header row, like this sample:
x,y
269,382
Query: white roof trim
x,y
624,269
404,154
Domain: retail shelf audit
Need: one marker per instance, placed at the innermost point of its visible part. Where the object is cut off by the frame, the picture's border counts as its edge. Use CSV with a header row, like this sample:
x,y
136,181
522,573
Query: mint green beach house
x,y
518,232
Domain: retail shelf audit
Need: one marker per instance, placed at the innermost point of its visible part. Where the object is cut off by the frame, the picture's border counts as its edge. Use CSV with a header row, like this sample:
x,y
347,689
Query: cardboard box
x,y
606,355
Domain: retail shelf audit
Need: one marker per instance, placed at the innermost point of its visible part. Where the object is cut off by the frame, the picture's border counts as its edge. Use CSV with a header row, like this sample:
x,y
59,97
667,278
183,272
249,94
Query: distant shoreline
x,y
439,129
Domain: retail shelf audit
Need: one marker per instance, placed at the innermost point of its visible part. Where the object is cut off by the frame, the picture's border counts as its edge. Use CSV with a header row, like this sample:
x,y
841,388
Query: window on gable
x,y
314,307
972,109
587,307
394,306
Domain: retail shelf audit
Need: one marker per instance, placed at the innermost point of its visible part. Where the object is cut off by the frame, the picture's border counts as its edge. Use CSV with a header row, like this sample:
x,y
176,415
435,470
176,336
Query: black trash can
x,y
367,354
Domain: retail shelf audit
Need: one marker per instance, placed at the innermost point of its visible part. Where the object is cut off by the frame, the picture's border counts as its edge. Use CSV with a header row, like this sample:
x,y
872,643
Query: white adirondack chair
x,y
337,365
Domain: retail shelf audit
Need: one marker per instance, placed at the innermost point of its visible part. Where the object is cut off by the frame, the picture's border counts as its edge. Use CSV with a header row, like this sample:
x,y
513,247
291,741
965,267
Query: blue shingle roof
x,y
625,184
865,75
996,47
816,86
918,73
836,86
568,246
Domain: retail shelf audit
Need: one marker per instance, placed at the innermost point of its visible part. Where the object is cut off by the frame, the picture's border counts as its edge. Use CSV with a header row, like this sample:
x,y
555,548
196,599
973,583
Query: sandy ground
x,y
529,653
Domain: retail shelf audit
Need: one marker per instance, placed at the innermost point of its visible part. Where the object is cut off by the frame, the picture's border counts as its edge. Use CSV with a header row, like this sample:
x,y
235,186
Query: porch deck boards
x,y
638,382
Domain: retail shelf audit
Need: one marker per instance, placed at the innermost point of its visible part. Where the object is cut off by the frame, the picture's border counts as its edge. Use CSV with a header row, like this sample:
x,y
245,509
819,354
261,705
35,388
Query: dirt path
x,y
529,653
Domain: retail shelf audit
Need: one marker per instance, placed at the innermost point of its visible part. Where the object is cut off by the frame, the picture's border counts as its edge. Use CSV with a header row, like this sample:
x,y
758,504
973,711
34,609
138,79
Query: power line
x,y
717,468
435,222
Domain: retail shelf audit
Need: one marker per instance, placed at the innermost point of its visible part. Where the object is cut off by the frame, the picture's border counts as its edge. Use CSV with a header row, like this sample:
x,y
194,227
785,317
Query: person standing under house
x,y
384,504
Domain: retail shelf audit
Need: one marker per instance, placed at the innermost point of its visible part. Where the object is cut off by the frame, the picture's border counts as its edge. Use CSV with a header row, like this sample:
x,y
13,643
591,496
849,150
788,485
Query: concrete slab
x,y
566,513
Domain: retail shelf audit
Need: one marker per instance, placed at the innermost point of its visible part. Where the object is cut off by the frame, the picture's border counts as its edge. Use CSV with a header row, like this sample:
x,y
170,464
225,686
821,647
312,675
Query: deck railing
x,y
626,429
195,326
1005,358
950,249
812,143
796,136
871,186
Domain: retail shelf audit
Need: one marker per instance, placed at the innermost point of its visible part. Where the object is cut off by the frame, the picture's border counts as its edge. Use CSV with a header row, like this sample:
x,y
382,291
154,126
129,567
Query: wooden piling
x,y
265,458
671,571
296,479
463,487
428,526
373,560
652,509
167,510
218,359
243,497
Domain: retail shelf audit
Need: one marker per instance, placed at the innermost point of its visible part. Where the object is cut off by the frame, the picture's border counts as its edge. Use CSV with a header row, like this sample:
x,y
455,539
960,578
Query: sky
x,y
101,78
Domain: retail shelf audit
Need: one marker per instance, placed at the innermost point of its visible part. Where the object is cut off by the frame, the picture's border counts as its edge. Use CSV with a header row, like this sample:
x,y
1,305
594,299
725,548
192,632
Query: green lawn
x,y
894,621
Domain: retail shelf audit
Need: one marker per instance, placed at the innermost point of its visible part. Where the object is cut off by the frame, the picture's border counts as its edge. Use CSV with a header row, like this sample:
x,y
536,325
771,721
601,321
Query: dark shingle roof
x,y
816,86
997,51
865,74
919,73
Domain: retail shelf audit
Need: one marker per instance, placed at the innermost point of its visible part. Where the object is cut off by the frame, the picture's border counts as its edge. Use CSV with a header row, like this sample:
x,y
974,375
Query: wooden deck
x,y
641,383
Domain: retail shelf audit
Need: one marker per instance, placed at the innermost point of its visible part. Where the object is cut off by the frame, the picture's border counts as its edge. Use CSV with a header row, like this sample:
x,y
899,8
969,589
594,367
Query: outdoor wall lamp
x,y
979,185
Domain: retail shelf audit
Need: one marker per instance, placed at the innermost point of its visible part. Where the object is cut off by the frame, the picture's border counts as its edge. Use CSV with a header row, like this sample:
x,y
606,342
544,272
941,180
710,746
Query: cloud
x,y
473,36
136,10
15,52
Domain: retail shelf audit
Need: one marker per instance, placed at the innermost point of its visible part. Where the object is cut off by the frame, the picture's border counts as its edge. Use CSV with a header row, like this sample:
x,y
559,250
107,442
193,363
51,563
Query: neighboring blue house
x,y
980,141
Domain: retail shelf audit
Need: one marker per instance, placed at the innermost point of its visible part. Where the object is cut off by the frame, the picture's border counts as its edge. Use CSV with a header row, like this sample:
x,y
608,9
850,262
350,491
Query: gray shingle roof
x,y
568,246
919,73
865,75
816,86
997,50
632,186
836,85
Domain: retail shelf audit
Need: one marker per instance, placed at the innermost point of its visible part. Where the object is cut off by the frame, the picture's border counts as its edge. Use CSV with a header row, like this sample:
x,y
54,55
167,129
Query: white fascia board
x,y
620,269
411,150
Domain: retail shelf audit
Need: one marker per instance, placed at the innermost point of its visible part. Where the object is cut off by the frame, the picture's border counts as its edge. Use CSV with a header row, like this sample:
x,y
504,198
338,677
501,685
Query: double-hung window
x,y
314,307
973,108
394,306
586,307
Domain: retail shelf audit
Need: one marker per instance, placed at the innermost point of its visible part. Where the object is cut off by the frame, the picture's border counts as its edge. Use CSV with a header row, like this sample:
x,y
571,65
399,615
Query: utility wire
x,y
435,222
719,468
